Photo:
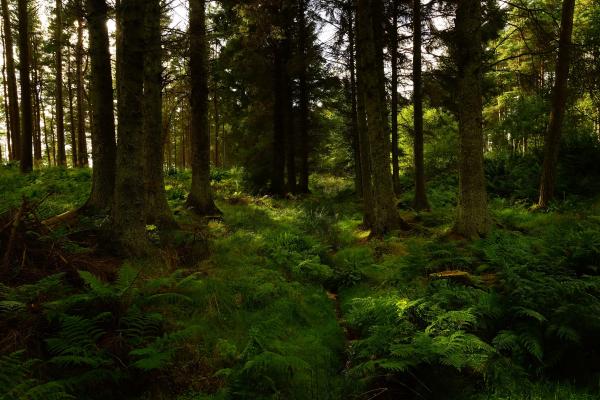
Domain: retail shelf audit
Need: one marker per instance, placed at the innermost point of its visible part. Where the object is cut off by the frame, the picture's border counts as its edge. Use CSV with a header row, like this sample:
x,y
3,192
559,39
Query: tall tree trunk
x,y
363,134
353,103
303,114
217,112
104,148
200,198
157,208
13,98
278,168
127,212
370,19
394,89
26,106
420,202
79,53
37,128
60,124
472,218
559,101
5,98
74,155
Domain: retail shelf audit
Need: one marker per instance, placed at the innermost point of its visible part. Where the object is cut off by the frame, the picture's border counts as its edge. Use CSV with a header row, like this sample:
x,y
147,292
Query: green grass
x,y
294,302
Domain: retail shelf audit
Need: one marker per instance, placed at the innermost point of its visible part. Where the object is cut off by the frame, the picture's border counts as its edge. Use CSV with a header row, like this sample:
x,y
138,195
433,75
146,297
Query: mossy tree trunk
x,y
157,207
104,150
128,207
370,20
304,94
472,215
200,198
559,101
393,48
26,98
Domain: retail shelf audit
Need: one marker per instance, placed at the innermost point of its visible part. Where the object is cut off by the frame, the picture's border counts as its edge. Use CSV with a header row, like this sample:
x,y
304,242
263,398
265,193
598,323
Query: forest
x,y
300,199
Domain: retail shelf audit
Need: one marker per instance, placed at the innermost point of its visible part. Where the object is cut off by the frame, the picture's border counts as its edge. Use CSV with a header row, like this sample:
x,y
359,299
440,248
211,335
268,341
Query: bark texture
x,y
370,20
127,211
79,53
472,215
157,208
104,148
304,93
60,118
394,117
11,80
26,103
420,202
200,198
559,101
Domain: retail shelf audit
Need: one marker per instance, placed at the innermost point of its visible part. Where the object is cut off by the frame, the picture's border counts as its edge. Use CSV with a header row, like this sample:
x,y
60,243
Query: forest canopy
x,y
300,199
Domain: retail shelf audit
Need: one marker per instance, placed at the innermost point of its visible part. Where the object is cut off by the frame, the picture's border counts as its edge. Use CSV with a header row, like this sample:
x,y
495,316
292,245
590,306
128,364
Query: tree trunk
x,y
472,217
104,148
74,156
26,106
370,19
13,100
157,208
420,202
353,103
278,169
559,101
363,136
303,115
5,97
200,198
60,124
127,211
79,53
394,89
37,128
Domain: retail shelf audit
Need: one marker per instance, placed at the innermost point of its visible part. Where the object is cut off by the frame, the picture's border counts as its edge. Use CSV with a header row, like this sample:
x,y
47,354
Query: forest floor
x,y
291,299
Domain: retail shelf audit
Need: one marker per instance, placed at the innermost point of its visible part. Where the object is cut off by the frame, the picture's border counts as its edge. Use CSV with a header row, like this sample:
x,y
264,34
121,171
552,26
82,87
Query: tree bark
x,y
104,148
288,100
353,103
420,202
5,100
157,208
304,93
127,212
370,18
363,135
74,155
472,217
37,110
60,124
79,53
200,198
559,101
13,100
26,106
394,97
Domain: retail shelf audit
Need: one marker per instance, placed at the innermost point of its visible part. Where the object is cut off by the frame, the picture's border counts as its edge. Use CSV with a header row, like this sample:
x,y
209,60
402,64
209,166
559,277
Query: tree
x,y
79,53
13,100
26,104
60,124
370,37
420,202
393,47
157,208
472,216
200,198
304,94
559,100
127,212
101,97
